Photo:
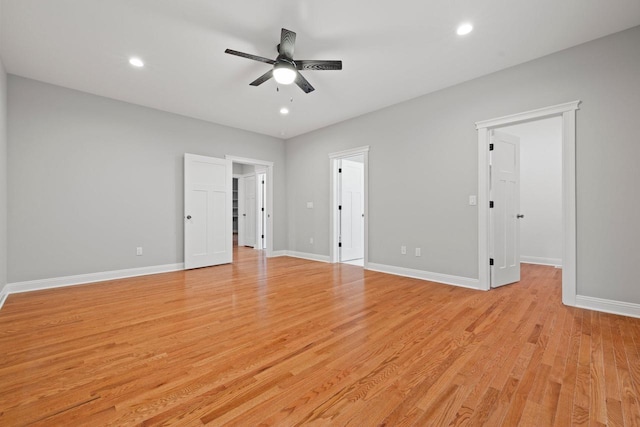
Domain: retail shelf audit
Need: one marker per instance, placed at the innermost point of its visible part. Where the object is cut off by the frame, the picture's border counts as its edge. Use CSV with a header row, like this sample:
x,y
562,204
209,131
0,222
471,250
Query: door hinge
x,y
490,261
340,207
263,208
340,170
490,147
262,182
491,204
340,244
263,236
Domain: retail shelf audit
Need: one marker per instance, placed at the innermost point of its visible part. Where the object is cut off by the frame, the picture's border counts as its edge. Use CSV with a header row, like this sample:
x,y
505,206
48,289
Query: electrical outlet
x,y
311,240
139,251
403,250
418,252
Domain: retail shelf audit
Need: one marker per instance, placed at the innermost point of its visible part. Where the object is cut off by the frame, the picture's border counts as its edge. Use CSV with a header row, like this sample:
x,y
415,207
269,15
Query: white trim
x,y
308,256
333,207
4,293
81,279
350,152
568,113
556,262
527,116
446,279
276,254
270,186
245,160
608,306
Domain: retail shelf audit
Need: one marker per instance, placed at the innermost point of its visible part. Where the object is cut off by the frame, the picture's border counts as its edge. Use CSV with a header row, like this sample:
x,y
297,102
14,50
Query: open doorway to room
x,y
500,215
348,183
525,198
252,205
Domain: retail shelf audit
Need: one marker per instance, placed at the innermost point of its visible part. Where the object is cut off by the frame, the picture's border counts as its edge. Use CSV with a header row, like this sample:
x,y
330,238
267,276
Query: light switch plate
x,y
473,200
309,205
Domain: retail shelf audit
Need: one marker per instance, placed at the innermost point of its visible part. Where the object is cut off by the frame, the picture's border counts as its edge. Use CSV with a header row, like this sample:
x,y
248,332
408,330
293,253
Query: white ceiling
x,y
391,50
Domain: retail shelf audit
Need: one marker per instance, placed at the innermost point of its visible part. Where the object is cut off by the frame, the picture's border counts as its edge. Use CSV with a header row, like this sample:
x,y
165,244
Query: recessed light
x,y
136,62
284,111
464,29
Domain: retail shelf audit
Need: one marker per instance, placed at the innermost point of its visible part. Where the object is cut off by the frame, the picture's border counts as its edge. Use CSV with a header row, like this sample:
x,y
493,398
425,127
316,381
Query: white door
x,y
352,210
242,216
261,234
250,210
207,211
504,216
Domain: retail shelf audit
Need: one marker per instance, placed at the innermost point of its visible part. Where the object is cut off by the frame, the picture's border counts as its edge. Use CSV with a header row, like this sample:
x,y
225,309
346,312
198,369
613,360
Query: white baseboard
x,y
608,306
464,282
58,282
4,293
556,262
275,254
304,255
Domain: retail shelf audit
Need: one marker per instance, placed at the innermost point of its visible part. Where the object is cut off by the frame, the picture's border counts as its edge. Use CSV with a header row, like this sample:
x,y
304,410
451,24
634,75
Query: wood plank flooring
x,y
286,341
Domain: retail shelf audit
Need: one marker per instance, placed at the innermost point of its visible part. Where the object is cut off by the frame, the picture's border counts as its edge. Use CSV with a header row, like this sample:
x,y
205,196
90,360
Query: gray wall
x,y
423,166
3,177
90,179
540,190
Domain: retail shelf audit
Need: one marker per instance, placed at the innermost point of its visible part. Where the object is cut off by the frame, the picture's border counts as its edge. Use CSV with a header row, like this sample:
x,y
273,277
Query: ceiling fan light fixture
x,y
284,73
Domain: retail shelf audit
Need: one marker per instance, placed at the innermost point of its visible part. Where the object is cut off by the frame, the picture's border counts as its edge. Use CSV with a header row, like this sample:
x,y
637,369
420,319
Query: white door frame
x,y
568,113
334,221
269,172
241,218
261,216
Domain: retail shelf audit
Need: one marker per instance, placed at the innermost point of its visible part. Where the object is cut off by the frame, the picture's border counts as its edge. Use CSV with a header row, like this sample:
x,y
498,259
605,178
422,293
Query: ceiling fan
x,y
285,69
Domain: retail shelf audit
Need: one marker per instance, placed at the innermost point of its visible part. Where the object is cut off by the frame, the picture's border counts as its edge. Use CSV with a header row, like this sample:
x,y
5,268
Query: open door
x,y
250,210
207,211
261,234
351,185
505,206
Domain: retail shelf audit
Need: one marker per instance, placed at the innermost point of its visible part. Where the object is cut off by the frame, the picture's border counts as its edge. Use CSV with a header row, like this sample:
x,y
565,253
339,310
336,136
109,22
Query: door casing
x,y
269,208
333,205
568,113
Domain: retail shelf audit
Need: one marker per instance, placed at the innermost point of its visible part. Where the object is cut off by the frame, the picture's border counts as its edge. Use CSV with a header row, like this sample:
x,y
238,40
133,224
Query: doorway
x,y
254,203
349,206
567,114
526,195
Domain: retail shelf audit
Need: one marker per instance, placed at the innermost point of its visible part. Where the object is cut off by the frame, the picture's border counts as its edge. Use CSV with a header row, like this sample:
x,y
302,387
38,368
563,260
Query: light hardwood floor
x,y
286,341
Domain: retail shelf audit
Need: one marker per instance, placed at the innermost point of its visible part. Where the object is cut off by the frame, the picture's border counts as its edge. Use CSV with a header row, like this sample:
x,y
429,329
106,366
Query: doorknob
x,y
188,216
520,216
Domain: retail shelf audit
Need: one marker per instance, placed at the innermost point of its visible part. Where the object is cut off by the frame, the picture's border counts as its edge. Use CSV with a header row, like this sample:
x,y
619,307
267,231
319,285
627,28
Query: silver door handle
x,y
520,216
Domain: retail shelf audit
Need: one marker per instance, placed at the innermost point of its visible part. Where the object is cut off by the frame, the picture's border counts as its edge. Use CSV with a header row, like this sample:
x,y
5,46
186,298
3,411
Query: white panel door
x,y
207,211
504,216
250,210
352,212
261,233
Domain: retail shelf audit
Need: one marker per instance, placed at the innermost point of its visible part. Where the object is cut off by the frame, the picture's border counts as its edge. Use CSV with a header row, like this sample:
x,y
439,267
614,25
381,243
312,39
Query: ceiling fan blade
x,y
304,84
249,56
318,65
287,43
263,78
